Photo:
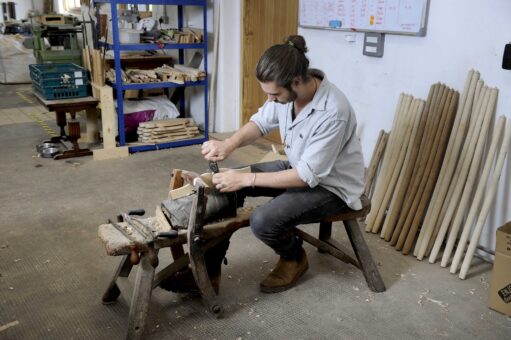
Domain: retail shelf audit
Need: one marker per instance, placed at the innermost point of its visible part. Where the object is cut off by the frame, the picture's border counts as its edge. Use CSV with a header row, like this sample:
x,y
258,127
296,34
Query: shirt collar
x,y
320,97
318,102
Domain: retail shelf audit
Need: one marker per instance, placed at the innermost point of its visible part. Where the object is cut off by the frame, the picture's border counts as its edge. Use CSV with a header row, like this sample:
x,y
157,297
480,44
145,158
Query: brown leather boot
x,y
285,274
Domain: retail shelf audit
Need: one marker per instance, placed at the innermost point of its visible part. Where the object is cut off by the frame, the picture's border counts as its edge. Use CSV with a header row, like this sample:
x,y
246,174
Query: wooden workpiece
x,y
405,173
425,173
458,135
401,228
466,179
485,209
474,209
387,166
395,165
446,113
459,179
480,99
403,164
460,214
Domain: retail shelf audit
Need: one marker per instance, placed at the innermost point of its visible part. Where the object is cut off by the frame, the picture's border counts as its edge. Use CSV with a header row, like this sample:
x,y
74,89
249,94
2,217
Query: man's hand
x,y
215,151
231,180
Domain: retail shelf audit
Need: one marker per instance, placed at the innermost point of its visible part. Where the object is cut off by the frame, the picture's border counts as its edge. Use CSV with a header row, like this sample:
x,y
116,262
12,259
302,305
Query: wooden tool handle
x,y
134,258
153,256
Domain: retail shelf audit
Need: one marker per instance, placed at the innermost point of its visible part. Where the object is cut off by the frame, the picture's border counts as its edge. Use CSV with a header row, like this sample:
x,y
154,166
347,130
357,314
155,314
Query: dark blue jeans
x,y
273,222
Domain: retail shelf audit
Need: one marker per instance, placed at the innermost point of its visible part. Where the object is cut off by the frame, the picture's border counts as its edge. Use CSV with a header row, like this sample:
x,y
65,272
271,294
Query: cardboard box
x,y
500,291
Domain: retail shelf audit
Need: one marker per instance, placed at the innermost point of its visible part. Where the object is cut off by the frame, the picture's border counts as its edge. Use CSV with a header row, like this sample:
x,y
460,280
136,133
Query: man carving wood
x,y
325,171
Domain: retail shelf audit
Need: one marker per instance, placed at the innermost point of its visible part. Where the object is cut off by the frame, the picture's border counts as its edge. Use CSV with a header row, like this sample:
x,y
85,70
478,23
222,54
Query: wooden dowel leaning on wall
x,y
449,164
401,228
406,171
410,124
474,208
447,113
372,170
379,191
461,172
458,219
410,206
469,170
489,197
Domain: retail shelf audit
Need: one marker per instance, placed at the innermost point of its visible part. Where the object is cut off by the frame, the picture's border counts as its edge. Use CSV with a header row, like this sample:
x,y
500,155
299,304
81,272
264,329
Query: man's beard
x,y
291,98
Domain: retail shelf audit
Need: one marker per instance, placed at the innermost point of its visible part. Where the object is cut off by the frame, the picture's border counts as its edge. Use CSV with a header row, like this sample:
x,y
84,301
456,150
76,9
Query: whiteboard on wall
x,y
383,16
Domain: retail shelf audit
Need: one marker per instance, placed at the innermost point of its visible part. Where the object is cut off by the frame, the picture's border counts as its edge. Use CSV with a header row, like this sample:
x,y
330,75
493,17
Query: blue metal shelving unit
x,y
119,87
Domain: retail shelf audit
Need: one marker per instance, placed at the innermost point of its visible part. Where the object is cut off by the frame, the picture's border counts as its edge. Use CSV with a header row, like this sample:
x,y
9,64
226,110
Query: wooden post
x,y
386,159
389,164
469,170
378,153
419,177
455,227
410,124
108,117
445,116
406,173
463,167
453,150
492,191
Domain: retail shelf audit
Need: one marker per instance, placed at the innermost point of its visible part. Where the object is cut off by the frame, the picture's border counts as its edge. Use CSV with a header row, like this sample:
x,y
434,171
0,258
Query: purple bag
x,y
131,120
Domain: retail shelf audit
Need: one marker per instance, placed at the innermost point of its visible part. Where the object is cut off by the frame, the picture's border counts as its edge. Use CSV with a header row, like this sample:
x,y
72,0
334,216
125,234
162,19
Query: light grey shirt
x,y
320,143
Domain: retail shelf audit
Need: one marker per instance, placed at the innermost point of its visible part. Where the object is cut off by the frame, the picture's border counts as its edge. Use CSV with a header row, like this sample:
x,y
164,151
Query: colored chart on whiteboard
x,y
386,16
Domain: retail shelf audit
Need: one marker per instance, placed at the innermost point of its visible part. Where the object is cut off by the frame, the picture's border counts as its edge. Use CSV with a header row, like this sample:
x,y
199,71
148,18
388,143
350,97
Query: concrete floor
x,y
53,269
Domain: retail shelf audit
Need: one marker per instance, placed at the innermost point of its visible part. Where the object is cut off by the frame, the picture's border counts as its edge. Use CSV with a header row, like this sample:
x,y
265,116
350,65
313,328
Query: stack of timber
x,y
464,152
159,131
178,74
410,168
430,177
455,198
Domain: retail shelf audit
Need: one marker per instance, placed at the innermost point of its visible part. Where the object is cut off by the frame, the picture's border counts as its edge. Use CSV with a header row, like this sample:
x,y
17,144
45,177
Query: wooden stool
x,y
326,244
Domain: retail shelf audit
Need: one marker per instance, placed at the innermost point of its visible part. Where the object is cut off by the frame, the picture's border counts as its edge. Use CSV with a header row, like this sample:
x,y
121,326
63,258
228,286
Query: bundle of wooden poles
x,y
429,169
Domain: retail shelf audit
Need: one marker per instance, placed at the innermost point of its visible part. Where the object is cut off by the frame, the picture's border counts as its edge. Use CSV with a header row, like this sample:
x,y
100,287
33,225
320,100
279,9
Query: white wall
x,y
23,6
226,114
461,35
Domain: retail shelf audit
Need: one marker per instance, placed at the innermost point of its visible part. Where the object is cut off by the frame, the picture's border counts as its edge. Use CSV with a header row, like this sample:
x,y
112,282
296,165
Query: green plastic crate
x,y
59,81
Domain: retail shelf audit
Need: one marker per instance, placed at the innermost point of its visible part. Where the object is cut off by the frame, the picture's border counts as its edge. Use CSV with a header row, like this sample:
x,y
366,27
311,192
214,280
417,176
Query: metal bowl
x,y
45,145
49,152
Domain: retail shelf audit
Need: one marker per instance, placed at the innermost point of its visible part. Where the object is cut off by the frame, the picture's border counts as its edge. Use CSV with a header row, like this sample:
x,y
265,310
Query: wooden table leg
x,y
61,120
371,273
113,291
140,299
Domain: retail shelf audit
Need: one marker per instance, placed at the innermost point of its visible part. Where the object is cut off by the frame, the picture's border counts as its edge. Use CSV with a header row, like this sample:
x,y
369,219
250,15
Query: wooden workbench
x,y
73,105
